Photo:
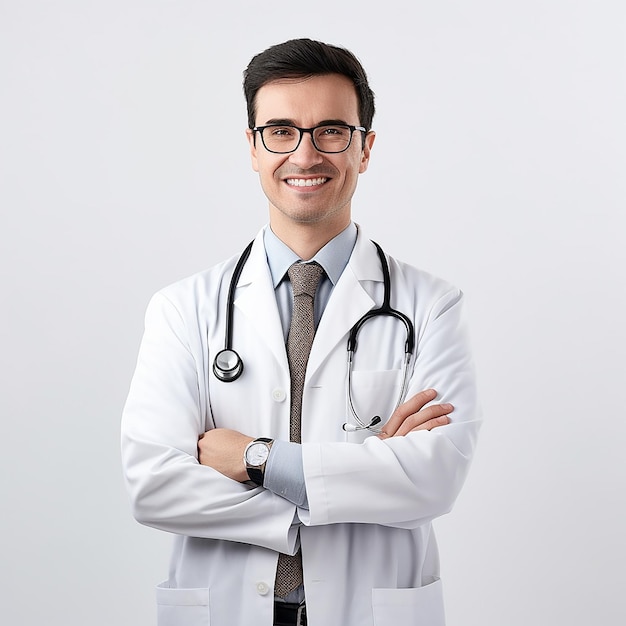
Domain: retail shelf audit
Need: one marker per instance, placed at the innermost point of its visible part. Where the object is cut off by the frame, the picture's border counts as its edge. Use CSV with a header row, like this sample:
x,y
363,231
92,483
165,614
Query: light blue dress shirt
x,y
284,473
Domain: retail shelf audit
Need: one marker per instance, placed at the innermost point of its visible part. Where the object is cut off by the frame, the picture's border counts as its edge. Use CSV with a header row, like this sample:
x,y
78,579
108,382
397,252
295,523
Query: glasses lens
x,y
332,138
281,138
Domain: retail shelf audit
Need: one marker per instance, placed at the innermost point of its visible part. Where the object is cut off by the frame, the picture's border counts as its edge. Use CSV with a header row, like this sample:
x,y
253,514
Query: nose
x,y
306,155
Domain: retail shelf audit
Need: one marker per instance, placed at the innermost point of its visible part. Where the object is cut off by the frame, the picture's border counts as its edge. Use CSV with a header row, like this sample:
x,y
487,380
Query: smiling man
x,y
301,485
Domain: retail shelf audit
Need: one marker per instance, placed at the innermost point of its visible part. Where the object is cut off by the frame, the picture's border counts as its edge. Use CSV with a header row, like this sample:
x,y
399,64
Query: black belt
x,y
287,614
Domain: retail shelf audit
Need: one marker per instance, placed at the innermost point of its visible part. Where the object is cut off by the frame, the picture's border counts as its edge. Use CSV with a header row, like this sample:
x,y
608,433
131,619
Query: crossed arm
x,y
223,448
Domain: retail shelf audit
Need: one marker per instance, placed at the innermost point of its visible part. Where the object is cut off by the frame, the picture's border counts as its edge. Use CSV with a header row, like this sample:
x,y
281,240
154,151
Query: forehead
x,y
308,101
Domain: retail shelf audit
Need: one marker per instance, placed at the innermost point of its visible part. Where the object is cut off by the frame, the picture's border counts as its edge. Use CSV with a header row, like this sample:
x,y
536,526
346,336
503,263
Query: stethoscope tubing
x,y
384,309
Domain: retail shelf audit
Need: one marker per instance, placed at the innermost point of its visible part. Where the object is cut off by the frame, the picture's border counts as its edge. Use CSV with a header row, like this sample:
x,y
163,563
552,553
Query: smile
x,y
306,182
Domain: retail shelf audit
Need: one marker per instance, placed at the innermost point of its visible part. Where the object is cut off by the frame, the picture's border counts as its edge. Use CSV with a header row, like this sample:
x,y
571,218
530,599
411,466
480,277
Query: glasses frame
x,y
352,128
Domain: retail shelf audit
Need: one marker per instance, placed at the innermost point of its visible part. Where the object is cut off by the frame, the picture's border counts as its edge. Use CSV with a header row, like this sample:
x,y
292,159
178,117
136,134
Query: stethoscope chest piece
x,y
227,365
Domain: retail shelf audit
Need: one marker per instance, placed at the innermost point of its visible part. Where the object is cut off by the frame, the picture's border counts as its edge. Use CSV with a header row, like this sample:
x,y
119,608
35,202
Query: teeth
x,y
306,182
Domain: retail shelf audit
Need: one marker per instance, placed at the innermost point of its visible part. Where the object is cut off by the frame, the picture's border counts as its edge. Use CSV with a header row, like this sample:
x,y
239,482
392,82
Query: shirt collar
x,y
333,257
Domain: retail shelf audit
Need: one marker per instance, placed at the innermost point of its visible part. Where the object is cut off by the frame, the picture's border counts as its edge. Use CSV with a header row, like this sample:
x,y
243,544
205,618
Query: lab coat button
x,y
279,395
262,589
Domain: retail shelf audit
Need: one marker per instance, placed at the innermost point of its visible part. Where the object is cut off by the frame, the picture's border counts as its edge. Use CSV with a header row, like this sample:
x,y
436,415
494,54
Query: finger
x,y
432,424
412,405
422,419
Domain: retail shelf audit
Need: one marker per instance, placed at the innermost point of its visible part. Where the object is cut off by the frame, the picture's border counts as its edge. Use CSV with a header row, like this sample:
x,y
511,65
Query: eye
x,y
282,131
333,131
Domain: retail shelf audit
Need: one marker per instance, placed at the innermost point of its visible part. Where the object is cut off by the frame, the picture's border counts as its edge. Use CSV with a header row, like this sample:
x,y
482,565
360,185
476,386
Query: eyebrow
x,y
287,122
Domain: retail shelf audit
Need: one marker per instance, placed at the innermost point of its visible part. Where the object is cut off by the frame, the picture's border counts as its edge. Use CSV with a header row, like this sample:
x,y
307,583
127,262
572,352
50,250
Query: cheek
x,y
354,165
352,170
268,167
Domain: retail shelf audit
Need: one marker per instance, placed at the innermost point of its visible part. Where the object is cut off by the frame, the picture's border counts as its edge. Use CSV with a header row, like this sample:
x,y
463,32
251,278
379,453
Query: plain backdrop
x,y
499,165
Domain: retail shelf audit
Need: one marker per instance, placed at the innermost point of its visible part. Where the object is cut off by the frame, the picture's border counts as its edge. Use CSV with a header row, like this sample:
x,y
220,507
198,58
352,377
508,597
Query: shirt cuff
x,y
284,473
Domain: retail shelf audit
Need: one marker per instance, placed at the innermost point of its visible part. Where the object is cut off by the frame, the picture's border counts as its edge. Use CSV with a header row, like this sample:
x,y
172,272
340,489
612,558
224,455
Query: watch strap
x,y
256,475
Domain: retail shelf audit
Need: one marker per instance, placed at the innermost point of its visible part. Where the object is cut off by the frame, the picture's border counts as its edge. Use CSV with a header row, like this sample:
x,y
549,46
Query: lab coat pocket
x,y
422,606
178,607
374,392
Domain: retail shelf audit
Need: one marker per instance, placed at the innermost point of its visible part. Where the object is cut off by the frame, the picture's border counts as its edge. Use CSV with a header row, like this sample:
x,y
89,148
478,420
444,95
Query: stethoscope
x,y
228,365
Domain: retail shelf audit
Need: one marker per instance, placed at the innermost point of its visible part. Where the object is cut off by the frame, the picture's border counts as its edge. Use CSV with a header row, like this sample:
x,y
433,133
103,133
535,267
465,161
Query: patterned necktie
x,y
304,279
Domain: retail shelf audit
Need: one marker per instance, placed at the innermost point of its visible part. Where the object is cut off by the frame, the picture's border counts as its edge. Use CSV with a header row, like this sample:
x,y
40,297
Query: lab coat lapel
x,y
256,299
348,302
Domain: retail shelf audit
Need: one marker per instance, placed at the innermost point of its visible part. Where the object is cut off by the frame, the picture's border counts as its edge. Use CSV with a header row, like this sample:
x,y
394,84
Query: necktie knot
x,y
304,278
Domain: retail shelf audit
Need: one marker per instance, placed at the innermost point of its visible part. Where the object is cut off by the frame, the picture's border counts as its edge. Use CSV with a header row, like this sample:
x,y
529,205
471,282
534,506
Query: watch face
x,y
257,454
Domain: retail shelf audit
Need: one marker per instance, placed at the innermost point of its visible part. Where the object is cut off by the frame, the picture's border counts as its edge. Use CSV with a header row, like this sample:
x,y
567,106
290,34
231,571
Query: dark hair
x,y
300,58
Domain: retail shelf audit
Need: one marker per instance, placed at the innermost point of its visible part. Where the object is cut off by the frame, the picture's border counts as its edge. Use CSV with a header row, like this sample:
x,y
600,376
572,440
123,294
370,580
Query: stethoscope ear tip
x,y
352,428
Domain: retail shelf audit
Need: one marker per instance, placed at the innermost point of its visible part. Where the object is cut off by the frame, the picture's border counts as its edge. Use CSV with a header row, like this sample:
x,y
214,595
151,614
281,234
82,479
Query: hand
x,y
222,449
411,415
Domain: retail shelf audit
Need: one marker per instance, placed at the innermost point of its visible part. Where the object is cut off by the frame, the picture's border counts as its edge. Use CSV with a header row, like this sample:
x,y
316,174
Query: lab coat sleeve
x,y
161,422
405,481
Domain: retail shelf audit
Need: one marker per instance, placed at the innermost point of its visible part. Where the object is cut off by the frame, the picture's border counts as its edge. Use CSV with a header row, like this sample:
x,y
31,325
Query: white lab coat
x,y
369,553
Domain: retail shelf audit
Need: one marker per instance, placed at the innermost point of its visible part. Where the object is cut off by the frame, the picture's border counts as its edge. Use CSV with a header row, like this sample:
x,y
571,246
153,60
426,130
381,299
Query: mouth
x,y
306,182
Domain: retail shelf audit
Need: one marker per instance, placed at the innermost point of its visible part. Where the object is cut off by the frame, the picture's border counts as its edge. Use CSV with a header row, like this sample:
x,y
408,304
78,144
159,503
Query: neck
x,y
306,242
306,239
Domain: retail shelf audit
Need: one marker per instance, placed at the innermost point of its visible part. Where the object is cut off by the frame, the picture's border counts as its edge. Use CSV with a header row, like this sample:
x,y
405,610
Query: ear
x,y
250,134
368,142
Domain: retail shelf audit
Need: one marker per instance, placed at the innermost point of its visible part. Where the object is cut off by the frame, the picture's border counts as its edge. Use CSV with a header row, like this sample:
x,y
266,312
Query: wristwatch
x,y
255,457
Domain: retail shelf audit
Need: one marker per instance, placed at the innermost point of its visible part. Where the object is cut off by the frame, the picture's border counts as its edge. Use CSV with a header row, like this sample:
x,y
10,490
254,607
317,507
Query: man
x,y
289,504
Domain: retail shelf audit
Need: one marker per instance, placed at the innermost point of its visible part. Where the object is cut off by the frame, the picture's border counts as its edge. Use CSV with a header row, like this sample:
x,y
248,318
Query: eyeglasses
x,y
328,138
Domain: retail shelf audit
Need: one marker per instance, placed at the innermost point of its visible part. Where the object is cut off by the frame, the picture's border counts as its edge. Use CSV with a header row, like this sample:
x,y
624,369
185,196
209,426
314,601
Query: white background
x,y
499,165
